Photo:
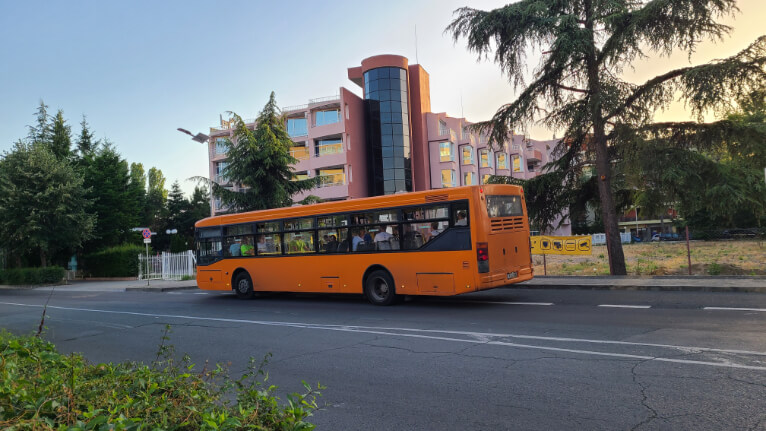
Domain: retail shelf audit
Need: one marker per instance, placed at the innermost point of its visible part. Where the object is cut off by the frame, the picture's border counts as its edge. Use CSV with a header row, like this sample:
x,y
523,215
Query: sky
x,y
139,70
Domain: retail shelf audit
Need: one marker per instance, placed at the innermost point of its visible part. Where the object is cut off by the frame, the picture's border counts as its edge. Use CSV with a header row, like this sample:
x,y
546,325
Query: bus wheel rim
x,y
381,288
243,286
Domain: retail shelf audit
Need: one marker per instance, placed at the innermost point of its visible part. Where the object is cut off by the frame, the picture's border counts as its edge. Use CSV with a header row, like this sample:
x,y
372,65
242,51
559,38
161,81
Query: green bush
x,y
20,276
43,390
117,261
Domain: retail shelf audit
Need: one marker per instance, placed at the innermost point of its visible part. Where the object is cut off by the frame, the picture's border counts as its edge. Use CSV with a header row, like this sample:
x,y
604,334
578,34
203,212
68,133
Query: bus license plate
x,y
510,275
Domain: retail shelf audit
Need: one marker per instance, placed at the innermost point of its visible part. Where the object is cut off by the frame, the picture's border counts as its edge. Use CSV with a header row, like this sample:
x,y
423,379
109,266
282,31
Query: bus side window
x,y
413,235
460,214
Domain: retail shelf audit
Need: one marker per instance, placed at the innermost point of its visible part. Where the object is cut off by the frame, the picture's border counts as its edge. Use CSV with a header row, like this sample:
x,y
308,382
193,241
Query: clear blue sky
x,y
138,70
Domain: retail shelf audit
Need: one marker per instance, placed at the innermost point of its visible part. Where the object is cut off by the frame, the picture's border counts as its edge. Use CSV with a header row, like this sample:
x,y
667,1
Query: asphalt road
x,y
502,359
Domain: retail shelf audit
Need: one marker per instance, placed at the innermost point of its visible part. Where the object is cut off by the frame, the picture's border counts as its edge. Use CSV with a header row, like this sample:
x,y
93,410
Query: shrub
x,y
20,276
45,390
117,261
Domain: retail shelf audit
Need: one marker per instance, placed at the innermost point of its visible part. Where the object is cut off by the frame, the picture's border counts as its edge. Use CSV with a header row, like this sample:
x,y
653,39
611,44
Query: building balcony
x,y
533,155
332,180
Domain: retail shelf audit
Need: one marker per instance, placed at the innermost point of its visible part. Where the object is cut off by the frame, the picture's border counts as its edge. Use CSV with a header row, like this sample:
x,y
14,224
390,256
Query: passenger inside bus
x,y
383,239
234,248
247,248
461,220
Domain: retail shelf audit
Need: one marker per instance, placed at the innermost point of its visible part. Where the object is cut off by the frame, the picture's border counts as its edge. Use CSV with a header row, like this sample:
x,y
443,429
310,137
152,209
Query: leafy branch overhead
x,y
577,87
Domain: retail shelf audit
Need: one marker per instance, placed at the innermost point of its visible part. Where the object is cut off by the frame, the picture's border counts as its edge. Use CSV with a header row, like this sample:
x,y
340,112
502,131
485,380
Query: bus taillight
x,y
482,256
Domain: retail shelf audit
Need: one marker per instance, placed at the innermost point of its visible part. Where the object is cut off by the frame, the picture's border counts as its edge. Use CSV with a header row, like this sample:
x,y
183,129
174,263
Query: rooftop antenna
x,y
416,44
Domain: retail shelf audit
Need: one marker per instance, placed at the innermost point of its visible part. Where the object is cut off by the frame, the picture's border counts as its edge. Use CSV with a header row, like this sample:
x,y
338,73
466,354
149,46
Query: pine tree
x,y
85,143
177,206
260,162
41,132
61,137
107,177
578,87
137,192
43,204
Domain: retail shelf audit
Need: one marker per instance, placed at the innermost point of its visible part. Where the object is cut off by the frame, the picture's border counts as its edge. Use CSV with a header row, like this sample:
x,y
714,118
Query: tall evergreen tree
x,y
40,132
107,177
177,206
578,85
43,204
85,143
61,137
260,162
137,188
156,200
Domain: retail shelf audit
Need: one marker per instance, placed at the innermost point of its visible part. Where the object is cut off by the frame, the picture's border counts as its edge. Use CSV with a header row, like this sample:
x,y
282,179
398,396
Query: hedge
x,y
41,389
47,275
117,261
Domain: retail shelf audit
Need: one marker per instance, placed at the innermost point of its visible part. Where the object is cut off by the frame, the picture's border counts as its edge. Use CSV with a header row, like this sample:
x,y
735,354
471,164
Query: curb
x,y
655,288
159,289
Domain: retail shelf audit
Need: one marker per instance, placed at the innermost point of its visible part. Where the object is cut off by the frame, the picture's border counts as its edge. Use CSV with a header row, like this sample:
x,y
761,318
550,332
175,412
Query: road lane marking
x,y
480,337
624,306
733,309
511,303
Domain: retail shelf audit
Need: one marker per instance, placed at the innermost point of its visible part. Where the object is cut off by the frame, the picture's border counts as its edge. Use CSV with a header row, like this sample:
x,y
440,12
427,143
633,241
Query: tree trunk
x,y
603,165
43,258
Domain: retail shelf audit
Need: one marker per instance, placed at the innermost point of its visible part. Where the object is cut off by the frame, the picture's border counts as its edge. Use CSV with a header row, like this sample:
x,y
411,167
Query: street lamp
x,y
637,234
199,137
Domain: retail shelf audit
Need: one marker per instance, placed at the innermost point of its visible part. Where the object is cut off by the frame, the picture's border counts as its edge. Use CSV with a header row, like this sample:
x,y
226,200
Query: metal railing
x,y
323,150
300,153
332,180
167,266
324,99
295,107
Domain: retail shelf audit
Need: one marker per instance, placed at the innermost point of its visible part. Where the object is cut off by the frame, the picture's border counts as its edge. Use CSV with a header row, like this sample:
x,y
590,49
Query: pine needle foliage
x,y
259,161
578,88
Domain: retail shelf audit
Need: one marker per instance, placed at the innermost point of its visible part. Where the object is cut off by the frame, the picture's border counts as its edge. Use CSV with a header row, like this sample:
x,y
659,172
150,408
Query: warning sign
x,y
560,244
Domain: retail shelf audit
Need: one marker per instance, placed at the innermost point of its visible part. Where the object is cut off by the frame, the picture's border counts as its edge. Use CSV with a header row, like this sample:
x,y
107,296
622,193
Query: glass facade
x,y
388,130
328,146
502,161
448,178
469,178
445,152
322,118
467,154
297,127
485,158
220,145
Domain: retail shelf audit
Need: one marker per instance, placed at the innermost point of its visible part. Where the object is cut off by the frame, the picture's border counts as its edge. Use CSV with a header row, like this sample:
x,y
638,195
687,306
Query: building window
x,y
448,178
220,168
300,152
329,146
322,118
485,178
467,154
445,152
517,166
469,178
502,161
485,158
466,132
297,127
298,176
331,177
220,145
443,129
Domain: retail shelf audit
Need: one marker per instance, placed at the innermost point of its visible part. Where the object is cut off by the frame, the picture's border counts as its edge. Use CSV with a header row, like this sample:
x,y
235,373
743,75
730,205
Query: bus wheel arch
x,y
378,286
242,284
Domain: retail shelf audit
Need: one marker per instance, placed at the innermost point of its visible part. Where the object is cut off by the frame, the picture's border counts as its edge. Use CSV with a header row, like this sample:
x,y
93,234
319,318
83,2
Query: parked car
x,y
740,233
666,237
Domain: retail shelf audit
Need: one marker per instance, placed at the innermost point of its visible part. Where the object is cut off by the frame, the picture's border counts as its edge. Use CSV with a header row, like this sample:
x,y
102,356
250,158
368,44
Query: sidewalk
x,y
753,284
116,286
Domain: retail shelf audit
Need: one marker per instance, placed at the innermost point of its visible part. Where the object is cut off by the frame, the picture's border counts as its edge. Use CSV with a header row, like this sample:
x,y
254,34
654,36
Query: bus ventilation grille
x,y
436,198
509,223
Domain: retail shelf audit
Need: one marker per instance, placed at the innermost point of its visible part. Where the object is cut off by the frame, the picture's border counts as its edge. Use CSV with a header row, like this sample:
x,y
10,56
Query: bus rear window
x,y
504,206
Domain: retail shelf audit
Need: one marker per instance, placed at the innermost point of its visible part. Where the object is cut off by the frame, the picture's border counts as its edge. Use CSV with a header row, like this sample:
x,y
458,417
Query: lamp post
x,y
637,234
199,137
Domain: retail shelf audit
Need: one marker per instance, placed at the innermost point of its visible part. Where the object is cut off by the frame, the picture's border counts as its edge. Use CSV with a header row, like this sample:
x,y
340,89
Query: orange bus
x,y
436,242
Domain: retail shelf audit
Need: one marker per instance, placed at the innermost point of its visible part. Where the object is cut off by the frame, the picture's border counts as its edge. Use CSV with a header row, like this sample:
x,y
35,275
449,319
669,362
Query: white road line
x,y
201,293
733,309
512,303
479,337
624,306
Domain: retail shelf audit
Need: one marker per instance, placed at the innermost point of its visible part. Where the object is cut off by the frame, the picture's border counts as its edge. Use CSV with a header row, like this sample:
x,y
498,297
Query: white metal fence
x,y
167,266
600,238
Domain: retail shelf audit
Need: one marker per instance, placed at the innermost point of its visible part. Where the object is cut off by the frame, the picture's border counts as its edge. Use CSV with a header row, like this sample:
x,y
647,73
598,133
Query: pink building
x,y
389,141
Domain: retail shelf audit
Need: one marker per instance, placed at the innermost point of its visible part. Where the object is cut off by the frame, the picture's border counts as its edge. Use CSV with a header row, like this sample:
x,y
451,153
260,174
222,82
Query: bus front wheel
x,y
379,288
243,286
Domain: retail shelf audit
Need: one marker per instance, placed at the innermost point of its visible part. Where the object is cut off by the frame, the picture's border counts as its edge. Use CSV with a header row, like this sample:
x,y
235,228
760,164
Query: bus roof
x,y
401,199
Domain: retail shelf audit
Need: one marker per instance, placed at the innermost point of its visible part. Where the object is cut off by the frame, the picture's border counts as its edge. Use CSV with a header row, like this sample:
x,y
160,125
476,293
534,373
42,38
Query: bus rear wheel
x,y
379,288
243,286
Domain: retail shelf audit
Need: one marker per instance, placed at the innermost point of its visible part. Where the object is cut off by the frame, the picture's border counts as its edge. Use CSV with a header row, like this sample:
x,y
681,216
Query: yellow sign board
x,y
560,244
